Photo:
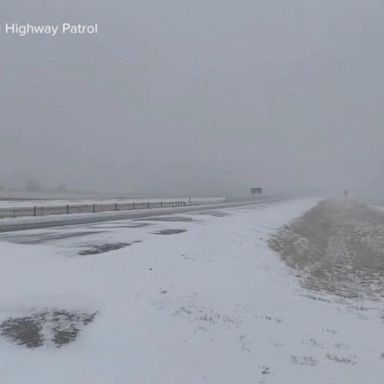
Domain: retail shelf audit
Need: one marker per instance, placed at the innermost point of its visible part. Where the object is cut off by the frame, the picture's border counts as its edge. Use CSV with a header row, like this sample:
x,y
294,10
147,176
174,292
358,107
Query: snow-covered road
x,y
39,222
197,297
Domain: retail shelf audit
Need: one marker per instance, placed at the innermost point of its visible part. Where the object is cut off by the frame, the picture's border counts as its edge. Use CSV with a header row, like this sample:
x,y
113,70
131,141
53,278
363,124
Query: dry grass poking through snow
x,y
336,247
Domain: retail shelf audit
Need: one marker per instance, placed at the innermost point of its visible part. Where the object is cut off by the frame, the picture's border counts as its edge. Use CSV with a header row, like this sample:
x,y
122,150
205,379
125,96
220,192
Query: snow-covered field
x,y
212,304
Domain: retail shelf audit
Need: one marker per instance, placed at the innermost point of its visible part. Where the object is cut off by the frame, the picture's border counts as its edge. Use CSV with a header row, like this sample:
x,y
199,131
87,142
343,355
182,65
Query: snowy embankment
x,y
212,304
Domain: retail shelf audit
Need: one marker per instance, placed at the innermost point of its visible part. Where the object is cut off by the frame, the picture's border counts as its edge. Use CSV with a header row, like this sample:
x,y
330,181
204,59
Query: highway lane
x,y
22,224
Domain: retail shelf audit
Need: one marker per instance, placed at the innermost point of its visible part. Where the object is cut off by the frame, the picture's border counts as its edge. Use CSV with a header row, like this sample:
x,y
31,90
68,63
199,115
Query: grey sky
x,y
202,96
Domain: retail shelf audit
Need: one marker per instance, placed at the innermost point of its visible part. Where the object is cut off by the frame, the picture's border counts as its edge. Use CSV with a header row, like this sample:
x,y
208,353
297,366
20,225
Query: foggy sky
x,y
195,96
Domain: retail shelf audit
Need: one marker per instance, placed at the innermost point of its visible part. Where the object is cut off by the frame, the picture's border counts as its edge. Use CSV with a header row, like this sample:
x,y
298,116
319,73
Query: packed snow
x,y
188,298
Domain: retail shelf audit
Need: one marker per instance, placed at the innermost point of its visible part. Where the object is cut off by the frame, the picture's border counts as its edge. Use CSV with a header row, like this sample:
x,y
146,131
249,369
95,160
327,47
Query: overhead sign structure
x,y
256,190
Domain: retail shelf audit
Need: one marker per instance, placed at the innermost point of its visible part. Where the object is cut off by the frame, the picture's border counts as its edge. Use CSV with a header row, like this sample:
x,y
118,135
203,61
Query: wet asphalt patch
x,y
170,231
214,213
121,225
138,225
171,219
58,327
103,248
39,238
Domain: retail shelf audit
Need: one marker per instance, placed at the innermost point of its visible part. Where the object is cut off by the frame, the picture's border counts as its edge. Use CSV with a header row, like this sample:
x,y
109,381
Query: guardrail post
x,y
67,208
94,207
115,206
133,205
148,205
161,204
34,211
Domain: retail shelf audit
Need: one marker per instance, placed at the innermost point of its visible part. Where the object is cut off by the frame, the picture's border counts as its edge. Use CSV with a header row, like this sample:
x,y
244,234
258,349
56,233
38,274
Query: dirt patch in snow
x,y
337,247
304,360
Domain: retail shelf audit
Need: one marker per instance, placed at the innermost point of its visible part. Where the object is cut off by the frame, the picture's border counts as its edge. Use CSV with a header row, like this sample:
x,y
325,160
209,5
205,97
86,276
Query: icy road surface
x,y
189,298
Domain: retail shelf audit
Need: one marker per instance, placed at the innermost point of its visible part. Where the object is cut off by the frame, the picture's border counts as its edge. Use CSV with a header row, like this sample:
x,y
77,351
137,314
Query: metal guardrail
x,y
87,208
